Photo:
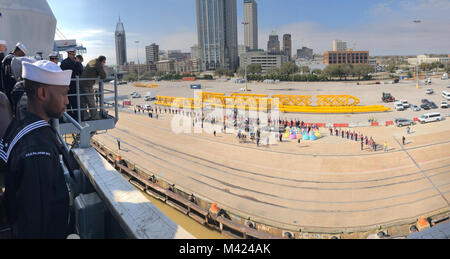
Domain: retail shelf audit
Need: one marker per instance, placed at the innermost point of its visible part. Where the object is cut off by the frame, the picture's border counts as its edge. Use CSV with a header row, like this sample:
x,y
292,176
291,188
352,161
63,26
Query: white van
x,y
446,95
430,117
444,76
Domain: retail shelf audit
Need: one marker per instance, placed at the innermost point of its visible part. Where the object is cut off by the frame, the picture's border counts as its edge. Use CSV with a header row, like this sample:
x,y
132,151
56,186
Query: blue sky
x,y
383,27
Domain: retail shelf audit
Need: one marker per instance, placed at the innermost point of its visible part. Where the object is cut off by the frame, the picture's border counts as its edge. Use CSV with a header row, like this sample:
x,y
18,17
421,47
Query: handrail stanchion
x,y
116,99
78,100
102,96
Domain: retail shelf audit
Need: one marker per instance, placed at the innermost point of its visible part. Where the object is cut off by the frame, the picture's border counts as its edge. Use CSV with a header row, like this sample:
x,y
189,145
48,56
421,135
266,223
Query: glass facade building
x,y
121,44
217,34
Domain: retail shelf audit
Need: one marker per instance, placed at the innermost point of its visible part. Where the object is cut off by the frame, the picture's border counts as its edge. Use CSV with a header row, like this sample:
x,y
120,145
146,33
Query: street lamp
x,y
137,54
245,62
417,61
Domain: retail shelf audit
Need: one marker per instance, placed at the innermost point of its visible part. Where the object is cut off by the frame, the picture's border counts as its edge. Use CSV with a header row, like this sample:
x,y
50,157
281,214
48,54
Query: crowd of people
x,y
356,136
11,80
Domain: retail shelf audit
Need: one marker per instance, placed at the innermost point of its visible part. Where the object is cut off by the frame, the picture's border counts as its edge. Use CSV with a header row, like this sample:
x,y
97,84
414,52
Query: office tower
x,y
305,53
152,54
217,33
251,24
339,45
121,44
195,52
273,46
287,45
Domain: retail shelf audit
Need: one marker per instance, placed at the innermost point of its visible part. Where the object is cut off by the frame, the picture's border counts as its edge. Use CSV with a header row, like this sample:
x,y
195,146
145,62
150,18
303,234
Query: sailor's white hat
x,y
2,42
71,50
53,54
21,47
46,72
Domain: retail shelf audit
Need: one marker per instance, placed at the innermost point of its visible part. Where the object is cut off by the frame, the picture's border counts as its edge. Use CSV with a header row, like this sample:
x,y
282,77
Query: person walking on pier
x,y
118,143
403,140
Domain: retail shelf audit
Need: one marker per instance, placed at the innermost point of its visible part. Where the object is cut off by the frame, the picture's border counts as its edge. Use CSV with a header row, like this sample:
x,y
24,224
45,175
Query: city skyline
x,y
382,27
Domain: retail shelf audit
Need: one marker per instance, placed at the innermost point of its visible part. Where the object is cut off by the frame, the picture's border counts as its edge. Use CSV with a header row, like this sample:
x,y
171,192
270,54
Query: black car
x,y
425,101
425,107
433,105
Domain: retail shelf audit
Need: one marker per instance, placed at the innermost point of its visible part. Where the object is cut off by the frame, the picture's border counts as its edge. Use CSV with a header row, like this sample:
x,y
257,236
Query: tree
x,y
254,69
288,68
362,71
345,70
273,71
392,67
148,75
305,70
229,73
426,67
317,72
331,71
220,71
130,77
241,71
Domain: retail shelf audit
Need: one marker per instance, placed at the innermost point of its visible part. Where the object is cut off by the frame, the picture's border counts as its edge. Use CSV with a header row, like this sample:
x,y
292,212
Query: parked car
x,y
433,105
444,105
403,122
430,91
399,106
426,107
405,104
416,108
135,95
425,101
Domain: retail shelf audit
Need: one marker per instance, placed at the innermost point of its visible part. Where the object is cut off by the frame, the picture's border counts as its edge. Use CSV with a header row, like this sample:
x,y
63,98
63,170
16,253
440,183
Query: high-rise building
x,y
273,46
195,52
242,49
287,45
251,24
339,45
217,33
121,44
305,53
177,55
152,53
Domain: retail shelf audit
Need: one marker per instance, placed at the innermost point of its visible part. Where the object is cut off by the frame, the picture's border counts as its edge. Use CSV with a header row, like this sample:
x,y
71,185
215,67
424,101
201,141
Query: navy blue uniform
x,y
77,70
8,79
37,197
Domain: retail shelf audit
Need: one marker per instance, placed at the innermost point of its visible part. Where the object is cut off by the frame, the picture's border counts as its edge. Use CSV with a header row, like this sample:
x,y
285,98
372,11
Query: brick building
x,y
346,57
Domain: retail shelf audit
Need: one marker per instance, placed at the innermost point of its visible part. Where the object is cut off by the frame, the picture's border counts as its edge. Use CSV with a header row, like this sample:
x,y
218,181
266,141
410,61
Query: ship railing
x,y
105,204
83,130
